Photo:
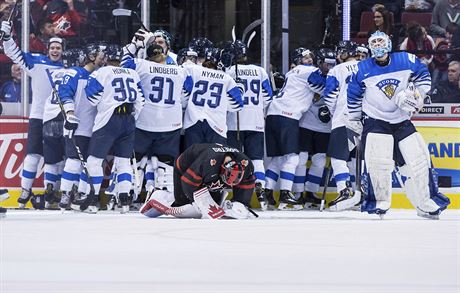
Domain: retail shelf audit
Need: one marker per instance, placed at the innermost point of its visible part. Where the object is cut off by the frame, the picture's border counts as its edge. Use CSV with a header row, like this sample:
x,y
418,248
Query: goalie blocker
x,y
201,174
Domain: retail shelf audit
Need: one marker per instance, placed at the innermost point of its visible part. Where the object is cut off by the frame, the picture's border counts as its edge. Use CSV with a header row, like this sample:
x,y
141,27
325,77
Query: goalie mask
x,y
232,172
379,44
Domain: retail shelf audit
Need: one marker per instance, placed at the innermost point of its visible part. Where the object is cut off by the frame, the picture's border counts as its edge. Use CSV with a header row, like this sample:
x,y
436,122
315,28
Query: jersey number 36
x,y
124,89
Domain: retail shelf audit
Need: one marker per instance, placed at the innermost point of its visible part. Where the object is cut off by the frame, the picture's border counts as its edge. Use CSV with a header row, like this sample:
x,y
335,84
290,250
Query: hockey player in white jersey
x,y
315,128
248,136
335,96
282,125
214,94
80,116
160,122
385,92
118,97
35,66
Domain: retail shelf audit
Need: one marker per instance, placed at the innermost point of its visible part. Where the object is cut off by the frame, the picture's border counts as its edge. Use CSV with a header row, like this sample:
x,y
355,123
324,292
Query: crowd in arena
x,y
194,124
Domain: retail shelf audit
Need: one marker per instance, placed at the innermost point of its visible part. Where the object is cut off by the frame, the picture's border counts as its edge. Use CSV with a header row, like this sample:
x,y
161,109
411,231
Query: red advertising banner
x,y
13,141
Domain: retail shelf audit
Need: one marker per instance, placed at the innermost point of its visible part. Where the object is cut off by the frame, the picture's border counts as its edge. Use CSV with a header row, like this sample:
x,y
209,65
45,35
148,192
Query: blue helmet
x,y
185,54
165,35
346,47
379,44
212,55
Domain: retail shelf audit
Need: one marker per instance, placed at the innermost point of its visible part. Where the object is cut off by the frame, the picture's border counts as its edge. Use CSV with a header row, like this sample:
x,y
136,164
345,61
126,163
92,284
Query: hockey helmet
x,y
92,50
325,55
212,55
200,45
165,35
154,49
379,44
185,54
228,54
346,47
56,40
362,51
232,172
114,52
240,48
298,54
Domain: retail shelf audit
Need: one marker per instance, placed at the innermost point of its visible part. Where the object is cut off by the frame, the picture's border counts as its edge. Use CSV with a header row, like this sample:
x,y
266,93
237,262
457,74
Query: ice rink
x,y
304,251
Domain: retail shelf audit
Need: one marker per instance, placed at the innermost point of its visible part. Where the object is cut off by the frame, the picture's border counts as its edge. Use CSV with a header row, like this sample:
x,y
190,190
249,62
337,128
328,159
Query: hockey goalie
x,y
201,176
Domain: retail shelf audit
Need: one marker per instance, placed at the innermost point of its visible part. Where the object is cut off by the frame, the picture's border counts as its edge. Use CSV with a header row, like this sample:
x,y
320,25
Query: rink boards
x,y
441,135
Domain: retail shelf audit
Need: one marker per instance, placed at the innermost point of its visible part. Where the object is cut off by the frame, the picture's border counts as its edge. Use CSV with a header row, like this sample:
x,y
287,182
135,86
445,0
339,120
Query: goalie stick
x,y
80,155
326,183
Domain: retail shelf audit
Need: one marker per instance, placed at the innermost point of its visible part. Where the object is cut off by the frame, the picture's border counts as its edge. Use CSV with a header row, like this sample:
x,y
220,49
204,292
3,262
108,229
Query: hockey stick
x,y
249,28
237,113
12,12
80,155
326,183
127,12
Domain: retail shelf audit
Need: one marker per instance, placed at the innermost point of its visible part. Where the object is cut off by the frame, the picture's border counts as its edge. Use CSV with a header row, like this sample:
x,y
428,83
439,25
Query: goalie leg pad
x,y
158,204
185,211
206,205
418,173
378,159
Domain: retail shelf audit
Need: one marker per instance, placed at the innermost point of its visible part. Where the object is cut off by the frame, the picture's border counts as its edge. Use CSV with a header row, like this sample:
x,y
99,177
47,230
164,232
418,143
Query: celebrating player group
x,y
188,128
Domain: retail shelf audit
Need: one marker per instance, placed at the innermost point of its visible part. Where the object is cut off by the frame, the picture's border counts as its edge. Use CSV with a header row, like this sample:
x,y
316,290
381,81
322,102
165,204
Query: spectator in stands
x,y
358,6
384,22
65,17
419,5
10,92
441,61
444,12
418,39
45,31
448,91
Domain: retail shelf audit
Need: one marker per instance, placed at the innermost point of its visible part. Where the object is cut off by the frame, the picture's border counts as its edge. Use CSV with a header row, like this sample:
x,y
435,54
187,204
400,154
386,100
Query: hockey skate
x,y
4,195
124,200
270,199
24,198
288,198
86,203
51,199
67,198
344,195
428,215
261,196
311,201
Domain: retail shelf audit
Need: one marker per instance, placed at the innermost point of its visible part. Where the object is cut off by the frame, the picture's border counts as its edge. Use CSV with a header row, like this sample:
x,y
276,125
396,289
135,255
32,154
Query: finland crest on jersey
x,y
72,90
109,87
256,98
372,89
214,93
335,93
165,87
296,96
52,108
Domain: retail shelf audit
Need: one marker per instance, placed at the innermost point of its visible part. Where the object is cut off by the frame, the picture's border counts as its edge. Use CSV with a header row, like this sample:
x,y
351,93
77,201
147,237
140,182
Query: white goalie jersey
x,y
257,96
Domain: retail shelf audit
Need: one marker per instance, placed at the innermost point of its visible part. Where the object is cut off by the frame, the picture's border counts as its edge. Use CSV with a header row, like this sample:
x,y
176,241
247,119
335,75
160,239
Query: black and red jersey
x,y
200,166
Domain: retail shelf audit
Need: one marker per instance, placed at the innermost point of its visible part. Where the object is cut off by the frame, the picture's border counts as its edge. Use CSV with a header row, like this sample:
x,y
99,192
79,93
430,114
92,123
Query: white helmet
x,y
379,44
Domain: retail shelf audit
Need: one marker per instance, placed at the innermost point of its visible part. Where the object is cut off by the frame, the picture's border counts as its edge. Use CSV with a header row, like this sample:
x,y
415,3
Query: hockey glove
x,y
6,29
143,38
323,114
240,85
409,100
71,121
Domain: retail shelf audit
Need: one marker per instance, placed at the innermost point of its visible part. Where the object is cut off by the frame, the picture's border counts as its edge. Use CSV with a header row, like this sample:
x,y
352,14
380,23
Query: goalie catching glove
x,y
409,100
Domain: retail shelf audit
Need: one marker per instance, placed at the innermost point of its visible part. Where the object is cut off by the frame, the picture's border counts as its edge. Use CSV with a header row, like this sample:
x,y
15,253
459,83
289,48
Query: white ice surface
x,y
306,251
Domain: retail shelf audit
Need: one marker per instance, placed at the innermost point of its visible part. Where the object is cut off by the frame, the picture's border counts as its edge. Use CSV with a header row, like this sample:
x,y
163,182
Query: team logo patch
x,y
212,162
388,86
